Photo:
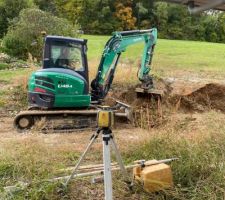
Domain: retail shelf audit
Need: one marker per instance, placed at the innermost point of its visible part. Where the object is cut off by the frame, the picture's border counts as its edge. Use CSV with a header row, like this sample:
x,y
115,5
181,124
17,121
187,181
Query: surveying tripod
x,y
105,121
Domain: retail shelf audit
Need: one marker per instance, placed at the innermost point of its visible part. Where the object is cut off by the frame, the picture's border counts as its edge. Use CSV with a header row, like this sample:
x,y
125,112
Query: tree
x,y
145,10
98,17
140,11
48,6
10,9
69,9
124,14
220,27
161,11
27,30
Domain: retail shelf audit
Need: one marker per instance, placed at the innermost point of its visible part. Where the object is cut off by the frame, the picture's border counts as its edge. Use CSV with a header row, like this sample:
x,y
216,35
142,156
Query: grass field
x,y
10,76
196,138
170,55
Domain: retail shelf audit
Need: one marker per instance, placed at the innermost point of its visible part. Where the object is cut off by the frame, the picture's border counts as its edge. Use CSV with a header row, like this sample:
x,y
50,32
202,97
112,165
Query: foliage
x,y
49,6
3,66
10,9
124,15
71,9
173,21
93,16
27,30
100,16
214,28
106,16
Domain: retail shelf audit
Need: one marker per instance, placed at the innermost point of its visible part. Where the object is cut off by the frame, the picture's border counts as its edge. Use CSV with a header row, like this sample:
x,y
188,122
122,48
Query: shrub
x,y
10,9
3,66
27,28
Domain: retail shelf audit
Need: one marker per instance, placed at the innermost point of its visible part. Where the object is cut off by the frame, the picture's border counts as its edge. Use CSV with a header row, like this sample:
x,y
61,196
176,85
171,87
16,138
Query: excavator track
x,y
63,120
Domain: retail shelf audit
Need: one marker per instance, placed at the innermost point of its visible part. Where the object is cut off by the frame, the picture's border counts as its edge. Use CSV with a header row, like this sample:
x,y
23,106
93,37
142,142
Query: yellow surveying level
x,y
105,118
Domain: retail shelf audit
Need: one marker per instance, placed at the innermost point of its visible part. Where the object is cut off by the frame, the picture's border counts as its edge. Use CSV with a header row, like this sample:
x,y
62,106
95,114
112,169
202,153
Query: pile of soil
x,y
211,96
150,112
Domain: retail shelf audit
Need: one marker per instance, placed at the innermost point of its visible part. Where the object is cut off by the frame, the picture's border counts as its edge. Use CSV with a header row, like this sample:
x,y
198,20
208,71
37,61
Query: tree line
x,y
104,17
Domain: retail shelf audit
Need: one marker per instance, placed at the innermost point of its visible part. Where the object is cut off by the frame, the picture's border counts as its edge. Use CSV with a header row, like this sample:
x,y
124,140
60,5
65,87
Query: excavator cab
x,y
67,53
63,81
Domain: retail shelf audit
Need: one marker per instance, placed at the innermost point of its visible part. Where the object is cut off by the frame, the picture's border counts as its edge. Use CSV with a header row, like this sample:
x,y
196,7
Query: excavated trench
x,y
150,112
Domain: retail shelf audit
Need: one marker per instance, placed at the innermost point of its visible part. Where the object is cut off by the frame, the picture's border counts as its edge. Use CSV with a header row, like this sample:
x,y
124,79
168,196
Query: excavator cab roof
x,y
51,38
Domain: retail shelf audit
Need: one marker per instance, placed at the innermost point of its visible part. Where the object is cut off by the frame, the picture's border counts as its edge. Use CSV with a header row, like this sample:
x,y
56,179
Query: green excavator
x,y
60,90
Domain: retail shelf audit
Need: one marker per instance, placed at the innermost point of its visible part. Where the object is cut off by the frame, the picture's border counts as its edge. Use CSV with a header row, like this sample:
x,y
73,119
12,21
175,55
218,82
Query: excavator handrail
x,y
133,32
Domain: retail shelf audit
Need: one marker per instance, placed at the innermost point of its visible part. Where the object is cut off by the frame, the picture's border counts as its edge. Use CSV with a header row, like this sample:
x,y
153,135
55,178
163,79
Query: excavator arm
x,y
111,54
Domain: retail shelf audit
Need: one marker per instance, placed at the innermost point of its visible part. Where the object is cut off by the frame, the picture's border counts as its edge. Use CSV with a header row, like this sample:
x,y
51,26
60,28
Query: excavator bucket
x,y
149,93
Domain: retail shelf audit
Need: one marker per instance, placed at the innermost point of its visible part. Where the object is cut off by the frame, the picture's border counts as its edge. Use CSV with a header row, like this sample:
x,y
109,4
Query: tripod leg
x,y
107,165
120,161
93,138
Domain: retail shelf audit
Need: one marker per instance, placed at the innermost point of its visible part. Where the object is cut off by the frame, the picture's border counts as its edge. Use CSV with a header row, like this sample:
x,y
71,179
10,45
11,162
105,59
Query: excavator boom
x,y
111,54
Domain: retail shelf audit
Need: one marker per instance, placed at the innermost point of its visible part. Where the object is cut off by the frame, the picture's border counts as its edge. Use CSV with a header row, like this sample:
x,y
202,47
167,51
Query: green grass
x,y
8,76
13,88
170,54
199,173
3,66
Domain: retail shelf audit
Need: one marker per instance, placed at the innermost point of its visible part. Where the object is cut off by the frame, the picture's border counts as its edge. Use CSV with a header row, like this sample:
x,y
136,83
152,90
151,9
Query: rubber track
x,y
62,114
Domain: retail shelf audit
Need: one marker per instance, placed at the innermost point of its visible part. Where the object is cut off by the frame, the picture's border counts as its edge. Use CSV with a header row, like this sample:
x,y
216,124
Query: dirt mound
x,y
203,98
150,112
211,96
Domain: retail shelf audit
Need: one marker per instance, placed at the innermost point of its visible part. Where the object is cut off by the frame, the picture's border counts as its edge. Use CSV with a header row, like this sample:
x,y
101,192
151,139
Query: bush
x,y
10,9
27,28
0,45
3,66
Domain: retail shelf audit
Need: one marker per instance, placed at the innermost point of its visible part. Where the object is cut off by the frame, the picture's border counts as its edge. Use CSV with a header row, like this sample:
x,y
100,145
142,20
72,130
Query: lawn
x,y
170,55
7,76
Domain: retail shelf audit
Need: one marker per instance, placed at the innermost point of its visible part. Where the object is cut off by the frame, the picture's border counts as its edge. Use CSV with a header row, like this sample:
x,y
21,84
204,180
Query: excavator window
x,y
66,55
